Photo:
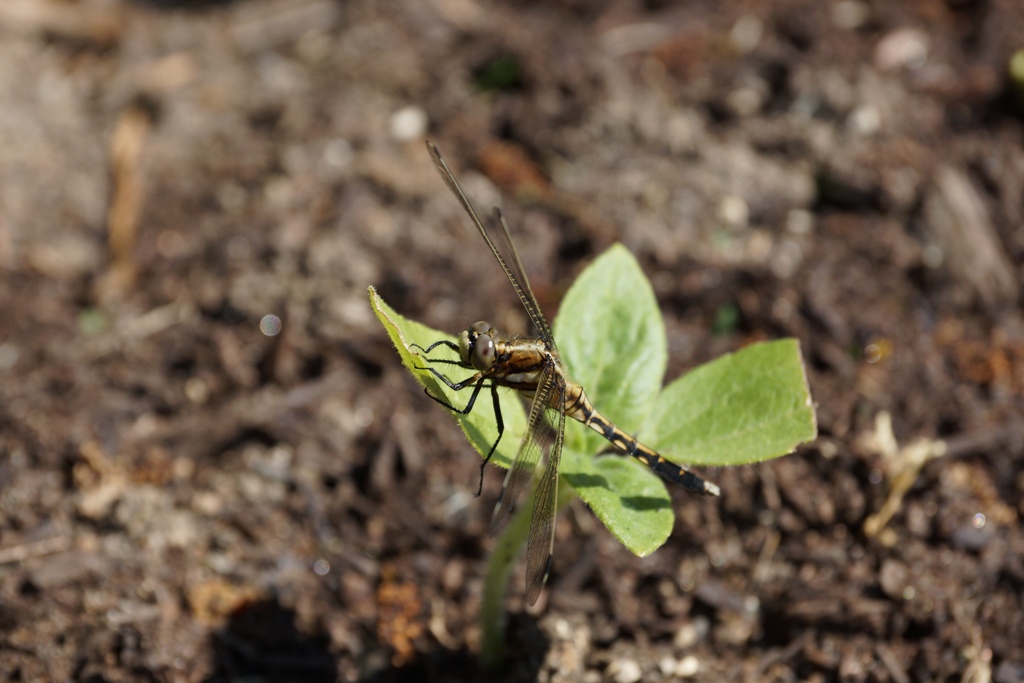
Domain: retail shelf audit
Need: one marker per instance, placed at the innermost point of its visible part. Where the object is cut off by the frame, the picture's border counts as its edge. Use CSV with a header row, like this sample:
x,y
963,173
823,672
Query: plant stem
x,y
493,618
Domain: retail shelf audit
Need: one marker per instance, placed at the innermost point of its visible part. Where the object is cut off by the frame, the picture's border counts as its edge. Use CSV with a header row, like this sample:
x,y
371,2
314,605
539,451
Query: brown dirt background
x,y
183,498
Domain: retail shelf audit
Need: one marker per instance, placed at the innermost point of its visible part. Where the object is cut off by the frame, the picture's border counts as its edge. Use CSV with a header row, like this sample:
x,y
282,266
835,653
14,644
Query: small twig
x,y
126,202
438,628
47,546
905,464
892,665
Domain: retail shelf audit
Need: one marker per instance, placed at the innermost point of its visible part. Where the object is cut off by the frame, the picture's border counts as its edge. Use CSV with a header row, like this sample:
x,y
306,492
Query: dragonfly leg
x,y
442,361
457,386
501,430
444,342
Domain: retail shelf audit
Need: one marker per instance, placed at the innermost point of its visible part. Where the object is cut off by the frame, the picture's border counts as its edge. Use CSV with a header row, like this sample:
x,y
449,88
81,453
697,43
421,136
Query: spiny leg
x,y
454,386
443,342
501,430
441,361
458,386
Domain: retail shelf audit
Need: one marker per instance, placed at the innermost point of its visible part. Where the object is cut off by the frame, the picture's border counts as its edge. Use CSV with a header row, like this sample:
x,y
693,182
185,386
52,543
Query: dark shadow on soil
x,y
527,648
261,640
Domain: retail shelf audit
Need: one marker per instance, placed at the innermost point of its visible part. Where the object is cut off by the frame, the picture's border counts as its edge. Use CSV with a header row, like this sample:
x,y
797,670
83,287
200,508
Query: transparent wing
x,y
498,239
540,434
541,542
500,242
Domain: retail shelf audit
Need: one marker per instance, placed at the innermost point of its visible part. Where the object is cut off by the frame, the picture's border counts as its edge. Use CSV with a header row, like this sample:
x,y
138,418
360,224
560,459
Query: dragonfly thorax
x,y
476,346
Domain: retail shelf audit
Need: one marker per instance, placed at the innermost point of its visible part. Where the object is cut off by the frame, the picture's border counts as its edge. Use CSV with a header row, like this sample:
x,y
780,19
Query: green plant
x,y
744,407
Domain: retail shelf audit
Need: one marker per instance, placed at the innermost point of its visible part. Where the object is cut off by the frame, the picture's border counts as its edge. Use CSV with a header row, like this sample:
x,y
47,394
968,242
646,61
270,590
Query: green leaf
x,y
611,336
479,425
627,497
744,407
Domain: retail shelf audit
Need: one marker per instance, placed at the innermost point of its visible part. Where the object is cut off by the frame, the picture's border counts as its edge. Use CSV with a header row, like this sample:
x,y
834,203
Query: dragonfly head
x,y
476,346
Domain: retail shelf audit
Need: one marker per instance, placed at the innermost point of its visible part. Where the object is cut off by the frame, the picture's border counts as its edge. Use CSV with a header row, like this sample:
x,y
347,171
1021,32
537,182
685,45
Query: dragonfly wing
x,y
500,242
541,542
540,434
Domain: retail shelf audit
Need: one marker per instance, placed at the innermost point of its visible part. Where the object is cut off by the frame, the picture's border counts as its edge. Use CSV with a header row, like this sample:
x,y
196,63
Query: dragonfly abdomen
x,y
578,406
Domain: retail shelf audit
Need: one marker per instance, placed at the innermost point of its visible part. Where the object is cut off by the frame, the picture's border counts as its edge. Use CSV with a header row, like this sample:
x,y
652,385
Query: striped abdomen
x,y
578,406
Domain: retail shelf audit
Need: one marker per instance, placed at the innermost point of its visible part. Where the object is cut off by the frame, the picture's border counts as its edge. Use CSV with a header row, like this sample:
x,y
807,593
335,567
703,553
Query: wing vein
x,y
507,256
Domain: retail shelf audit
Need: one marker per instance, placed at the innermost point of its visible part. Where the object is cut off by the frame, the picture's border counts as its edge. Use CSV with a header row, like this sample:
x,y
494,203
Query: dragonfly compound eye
x,y
483,352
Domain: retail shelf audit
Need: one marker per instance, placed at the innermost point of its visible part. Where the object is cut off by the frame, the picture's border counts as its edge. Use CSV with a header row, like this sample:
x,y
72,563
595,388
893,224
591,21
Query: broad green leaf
x,y
744,407
479,425
611,336
626,496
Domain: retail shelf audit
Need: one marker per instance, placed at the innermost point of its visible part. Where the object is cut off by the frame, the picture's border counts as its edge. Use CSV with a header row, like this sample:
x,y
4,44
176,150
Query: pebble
x,y
408,123
687,667
907,47
625,671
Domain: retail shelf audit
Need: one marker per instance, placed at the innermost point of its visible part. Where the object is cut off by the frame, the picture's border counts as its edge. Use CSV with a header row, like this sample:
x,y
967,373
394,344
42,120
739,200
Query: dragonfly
x,y
533,368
